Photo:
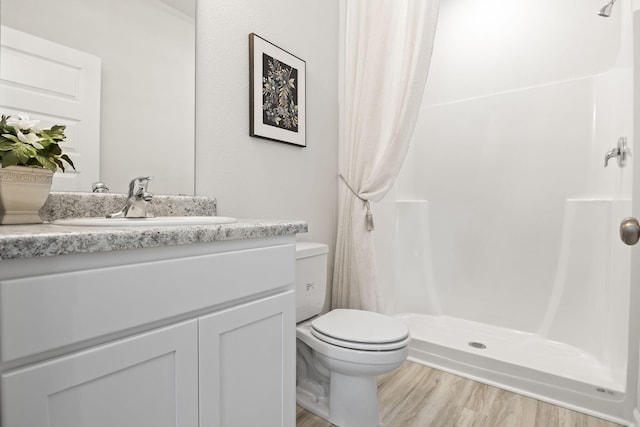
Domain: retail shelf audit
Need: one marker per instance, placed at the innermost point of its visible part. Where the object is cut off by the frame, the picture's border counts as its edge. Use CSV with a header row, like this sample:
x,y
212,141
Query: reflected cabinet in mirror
x,y
119,73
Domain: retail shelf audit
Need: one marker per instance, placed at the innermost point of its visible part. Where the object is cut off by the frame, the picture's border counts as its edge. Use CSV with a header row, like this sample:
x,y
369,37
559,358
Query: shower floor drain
x,y
478,345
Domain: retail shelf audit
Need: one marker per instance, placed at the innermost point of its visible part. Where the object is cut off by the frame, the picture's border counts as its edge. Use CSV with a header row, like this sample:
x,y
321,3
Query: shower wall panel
x,y
496,171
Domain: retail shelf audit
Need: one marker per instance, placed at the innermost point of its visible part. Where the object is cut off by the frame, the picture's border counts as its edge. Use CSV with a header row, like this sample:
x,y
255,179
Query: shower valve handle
x,y
630,231
621,151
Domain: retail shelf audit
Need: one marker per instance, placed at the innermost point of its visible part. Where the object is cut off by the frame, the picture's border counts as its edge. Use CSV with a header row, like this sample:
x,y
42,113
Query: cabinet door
x,y
148,380
247,365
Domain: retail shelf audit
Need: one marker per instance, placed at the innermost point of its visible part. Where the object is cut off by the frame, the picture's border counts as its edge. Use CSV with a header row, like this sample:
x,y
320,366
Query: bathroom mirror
x,y
147,95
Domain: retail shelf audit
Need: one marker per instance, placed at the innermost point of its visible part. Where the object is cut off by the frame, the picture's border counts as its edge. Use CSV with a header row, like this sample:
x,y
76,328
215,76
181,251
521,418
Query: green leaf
x,y
56,133
68,160
3,121
6,145
46,162
54,149
12,138
24,151
58,129
59,163
9,158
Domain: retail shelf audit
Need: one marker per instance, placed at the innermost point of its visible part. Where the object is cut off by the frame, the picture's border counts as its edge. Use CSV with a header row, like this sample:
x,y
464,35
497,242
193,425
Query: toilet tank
x,y
311,279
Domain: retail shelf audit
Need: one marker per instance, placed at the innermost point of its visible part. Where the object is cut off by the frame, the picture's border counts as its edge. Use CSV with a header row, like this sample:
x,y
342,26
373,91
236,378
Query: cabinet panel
x,y
148,380
247,365
41,313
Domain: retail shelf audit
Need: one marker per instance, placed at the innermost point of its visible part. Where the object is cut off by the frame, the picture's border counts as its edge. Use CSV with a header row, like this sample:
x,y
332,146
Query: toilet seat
x,y
360,330
354,345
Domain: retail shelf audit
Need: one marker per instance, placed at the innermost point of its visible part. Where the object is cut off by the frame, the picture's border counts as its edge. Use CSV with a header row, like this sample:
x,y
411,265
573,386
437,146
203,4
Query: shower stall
x,y
498,245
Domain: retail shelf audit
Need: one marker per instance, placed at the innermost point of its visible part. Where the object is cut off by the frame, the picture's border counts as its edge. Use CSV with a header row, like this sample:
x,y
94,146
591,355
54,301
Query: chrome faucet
x,y
621,151
614,152
136,206
99,187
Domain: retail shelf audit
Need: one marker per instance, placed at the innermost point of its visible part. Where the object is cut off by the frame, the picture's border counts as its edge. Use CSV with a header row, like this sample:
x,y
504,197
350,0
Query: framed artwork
x,y
276,93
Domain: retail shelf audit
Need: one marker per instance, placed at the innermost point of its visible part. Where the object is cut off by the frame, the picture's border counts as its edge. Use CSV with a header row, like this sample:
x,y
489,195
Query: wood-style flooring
x,y
418,396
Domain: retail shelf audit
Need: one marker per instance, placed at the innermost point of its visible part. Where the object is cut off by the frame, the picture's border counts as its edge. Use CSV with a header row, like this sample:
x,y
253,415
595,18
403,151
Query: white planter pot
x,y
23,191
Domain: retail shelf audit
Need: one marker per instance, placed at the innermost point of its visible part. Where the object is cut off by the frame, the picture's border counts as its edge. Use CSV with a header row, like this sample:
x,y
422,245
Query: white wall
x,y
148,57
494,46
253,177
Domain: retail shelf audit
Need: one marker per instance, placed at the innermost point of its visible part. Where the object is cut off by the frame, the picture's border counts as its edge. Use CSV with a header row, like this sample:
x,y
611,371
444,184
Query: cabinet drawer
x,y
51,311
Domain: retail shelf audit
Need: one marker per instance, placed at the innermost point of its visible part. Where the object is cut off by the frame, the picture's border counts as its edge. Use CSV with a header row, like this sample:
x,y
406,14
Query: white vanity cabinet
x,y
246,356
147,380
190,335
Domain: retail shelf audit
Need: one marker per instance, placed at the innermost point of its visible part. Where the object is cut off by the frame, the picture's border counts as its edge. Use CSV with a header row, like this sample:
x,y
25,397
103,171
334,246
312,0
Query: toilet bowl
x,y
348,393
340,353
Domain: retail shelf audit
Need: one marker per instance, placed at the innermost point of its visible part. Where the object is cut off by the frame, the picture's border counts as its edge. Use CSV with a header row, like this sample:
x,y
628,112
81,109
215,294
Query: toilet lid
x,y
358,329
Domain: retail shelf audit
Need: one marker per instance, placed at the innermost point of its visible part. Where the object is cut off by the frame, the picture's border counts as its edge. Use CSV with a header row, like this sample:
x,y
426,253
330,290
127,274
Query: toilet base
x,y
317,406
352,401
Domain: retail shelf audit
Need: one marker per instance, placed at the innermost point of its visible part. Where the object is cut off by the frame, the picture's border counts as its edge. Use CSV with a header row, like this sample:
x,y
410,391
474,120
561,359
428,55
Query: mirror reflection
x,y
146,51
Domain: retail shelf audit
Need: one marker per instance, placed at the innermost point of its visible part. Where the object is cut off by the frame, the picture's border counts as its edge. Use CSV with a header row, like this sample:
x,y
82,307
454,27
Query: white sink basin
x,y
145,222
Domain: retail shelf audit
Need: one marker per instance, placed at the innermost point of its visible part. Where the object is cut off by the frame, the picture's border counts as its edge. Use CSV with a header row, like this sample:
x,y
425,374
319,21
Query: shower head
x,y
606,9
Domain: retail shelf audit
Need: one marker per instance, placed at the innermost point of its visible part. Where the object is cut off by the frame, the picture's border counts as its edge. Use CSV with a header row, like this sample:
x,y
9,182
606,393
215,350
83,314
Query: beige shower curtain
x,y
385,60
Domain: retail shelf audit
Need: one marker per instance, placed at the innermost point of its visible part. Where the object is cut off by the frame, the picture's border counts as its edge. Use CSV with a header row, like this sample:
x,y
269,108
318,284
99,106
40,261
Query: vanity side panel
x,y
45,312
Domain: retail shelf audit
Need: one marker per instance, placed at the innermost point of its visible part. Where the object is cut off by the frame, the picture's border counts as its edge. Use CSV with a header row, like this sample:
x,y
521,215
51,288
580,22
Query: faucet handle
x,y
99,187
138,186
136,206
621,151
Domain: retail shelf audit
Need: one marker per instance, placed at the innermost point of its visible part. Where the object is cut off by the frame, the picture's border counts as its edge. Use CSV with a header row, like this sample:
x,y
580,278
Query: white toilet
x,y
339,354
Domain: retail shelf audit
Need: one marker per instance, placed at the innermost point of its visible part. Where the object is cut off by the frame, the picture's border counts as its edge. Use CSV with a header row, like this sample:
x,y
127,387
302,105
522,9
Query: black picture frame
x,y
277,93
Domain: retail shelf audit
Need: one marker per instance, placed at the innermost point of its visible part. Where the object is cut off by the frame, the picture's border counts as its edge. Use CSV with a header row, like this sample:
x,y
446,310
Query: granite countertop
x,y
27,241
37,240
